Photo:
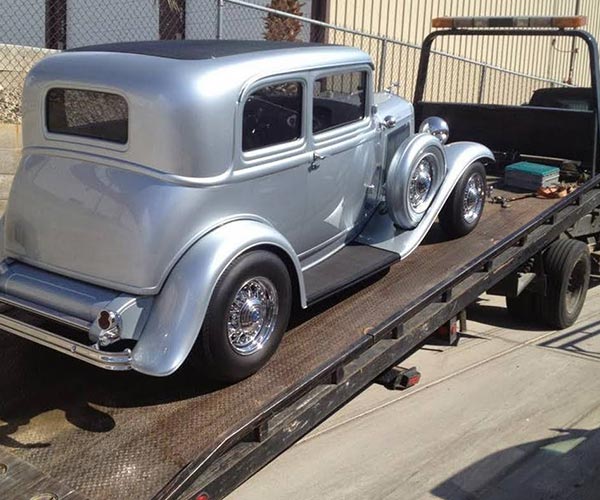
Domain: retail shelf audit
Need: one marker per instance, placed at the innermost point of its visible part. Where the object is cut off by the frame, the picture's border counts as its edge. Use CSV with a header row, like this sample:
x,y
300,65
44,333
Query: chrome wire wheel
x,y
252,316
420,182
414,175
473,197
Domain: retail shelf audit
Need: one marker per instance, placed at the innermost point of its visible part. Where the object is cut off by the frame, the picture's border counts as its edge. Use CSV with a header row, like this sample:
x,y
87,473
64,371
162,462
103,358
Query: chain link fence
x,y
32,29
396,62
451,77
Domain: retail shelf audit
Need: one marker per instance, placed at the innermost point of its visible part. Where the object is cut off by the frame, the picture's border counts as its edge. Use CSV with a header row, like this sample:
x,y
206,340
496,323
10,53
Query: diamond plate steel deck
x,y
125,435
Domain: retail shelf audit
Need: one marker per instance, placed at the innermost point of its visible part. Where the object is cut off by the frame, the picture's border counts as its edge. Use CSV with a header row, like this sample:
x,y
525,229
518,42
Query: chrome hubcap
x,y
473,198
252,315
420,183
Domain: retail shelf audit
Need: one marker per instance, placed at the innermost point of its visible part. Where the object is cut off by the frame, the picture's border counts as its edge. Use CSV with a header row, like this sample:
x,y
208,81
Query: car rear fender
x,y
180,307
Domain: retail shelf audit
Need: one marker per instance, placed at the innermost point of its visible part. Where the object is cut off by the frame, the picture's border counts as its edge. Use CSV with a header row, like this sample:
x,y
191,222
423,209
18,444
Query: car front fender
x,y
381,233
180,307
460,155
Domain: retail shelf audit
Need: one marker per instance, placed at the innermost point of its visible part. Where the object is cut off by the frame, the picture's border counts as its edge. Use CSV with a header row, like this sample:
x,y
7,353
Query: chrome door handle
x,y
314,165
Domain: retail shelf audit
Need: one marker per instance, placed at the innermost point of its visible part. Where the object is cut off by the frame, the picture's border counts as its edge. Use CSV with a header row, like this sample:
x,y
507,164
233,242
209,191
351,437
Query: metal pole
x,y
220,5
462,318
382,61
481,84
573,48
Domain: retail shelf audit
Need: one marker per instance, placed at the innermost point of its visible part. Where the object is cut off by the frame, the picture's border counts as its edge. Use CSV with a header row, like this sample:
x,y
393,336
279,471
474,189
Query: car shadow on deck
x,y
35,381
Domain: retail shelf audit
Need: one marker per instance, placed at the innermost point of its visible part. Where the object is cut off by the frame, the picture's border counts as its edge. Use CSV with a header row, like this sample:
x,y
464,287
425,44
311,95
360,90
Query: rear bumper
x,y
61,313
116,361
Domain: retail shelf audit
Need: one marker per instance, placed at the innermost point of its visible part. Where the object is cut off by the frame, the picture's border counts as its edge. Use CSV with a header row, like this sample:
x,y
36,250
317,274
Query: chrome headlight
x,y
437,127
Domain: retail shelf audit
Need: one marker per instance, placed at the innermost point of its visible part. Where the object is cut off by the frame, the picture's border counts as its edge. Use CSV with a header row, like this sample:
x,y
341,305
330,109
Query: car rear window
x,y
87,113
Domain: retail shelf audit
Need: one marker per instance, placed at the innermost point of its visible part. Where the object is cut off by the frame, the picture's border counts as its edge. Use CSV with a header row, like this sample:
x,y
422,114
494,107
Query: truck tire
x,y
247,316
464,207
567,268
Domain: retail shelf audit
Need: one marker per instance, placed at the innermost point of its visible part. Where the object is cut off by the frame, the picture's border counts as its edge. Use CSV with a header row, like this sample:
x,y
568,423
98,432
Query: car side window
x,y
338,99
272,115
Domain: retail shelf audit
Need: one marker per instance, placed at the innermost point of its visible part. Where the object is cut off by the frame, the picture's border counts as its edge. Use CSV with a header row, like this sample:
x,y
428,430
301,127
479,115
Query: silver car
x,y
175,199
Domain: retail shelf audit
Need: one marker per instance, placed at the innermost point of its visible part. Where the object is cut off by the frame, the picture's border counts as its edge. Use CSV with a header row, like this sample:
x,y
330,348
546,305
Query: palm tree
x,y
174,5
280,27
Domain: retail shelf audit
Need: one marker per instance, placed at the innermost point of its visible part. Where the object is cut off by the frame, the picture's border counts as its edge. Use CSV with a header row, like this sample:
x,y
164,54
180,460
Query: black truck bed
x,y
75,428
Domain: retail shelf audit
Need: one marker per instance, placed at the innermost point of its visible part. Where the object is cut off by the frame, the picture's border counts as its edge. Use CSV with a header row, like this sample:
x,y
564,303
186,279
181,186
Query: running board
x,y
349,266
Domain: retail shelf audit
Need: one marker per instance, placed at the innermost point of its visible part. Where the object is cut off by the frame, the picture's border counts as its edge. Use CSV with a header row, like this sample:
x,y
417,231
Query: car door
x,y
343,138
274,155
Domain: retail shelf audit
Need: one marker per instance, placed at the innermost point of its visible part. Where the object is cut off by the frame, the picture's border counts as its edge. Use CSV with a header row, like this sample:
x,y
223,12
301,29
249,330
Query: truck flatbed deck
x,y
79,432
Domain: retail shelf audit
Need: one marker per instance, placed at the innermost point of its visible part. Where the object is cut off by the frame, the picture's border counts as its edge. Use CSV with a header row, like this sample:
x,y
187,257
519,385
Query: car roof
x,y
179,108
195,49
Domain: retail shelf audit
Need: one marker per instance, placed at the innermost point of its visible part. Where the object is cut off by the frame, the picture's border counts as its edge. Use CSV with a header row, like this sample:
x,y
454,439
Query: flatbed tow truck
x,y
71,431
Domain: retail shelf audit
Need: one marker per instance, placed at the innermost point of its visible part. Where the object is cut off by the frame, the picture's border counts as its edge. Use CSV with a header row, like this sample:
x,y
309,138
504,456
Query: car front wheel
x,y
464,207
247,317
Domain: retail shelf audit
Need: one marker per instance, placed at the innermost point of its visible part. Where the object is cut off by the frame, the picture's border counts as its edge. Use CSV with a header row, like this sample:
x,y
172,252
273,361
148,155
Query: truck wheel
x,y
246,318
464,207
567,268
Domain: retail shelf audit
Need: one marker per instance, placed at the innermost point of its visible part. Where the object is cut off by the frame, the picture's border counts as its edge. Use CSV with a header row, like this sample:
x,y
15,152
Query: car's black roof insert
x,y
193,49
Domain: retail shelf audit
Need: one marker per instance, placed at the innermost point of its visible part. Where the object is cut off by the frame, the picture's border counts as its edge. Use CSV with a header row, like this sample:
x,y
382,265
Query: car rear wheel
x,y
247,317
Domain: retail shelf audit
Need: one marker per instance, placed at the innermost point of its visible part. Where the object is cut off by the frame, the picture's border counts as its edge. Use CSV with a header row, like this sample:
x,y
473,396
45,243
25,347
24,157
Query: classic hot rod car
x,y
176,198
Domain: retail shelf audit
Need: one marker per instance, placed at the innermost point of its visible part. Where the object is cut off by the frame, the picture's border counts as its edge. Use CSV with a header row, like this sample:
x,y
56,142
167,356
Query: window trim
x,y
275,152
78,139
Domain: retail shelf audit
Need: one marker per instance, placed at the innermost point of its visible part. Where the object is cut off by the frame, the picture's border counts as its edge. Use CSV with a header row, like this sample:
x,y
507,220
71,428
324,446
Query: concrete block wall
x,y
10,153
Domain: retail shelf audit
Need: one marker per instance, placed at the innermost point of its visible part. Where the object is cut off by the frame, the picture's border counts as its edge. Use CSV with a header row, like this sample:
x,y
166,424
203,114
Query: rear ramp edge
x,y
21,481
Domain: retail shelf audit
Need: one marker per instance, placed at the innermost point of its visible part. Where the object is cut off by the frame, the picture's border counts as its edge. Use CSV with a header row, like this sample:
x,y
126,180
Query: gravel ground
x,y
10,105
15,62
